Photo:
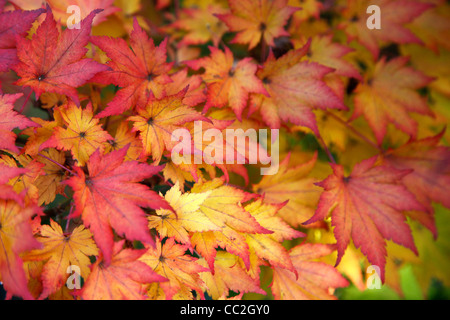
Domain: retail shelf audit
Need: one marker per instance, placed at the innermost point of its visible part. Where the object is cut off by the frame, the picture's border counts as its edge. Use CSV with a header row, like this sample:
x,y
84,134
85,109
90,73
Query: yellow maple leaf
x,y
293,184
48,183
169,260
228,276
82,135
61,251
185,218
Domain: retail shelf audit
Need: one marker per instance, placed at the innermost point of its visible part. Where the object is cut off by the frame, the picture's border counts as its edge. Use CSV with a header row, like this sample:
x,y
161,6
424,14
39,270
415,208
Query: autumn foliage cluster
x,y
88,187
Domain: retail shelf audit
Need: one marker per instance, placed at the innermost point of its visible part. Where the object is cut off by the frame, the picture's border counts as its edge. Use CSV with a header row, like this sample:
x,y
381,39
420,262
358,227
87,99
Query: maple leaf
x,y
223,207
309,8
7,173
201,25
122,278
10,119
52,61
367,206
49,182
242,147
59,8
314,278
291,184
50,100
228,83
60,251
137,71
432,26
295,87
228,275
268,246
430,176
82,135
157,121
328,53
170,261
208,243
16,237
395,15
111,197
388,94
122,138
184,218
180,80
257,20
13,24
24,183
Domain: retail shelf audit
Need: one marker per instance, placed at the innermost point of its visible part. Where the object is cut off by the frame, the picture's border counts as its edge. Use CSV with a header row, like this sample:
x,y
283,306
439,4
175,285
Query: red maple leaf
x,y
13,24
430,177
295,88
53,61
10,119
137,70
110,197
123,278
367,207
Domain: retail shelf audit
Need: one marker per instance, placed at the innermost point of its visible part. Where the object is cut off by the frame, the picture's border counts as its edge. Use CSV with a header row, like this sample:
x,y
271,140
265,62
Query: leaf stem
x,y
327,150
177,8
263,50
356,132
26,101
55,162
58,164
166,181
68,218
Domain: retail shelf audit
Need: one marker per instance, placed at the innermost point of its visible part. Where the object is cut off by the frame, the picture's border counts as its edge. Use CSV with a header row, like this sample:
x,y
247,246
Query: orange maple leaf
x,y
48,182
388,94
228,275
124,277
60,251
228,83
82,135
314,280
257,20
158,119
170,261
